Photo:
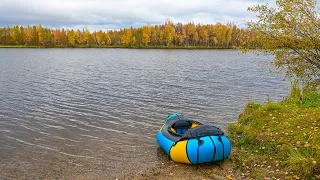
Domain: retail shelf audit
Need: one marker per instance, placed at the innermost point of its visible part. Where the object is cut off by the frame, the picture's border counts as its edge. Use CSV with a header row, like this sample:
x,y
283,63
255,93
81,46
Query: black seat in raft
x,y
182,125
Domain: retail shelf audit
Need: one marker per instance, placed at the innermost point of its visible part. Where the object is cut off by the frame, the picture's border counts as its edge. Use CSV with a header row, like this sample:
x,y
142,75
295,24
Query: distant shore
x,y
122,47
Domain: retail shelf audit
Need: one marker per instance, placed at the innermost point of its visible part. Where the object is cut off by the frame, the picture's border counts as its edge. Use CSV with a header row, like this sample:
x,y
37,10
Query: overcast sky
x,y
115,14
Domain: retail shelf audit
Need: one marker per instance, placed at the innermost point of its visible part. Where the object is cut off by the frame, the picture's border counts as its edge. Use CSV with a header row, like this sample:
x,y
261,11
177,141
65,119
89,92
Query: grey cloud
x,y
103,14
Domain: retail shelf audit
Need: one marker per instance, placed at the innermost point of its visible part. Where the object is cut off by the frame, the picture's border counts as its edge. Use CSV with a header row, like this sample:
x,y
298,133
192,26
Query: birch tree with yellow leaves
x,y
290,31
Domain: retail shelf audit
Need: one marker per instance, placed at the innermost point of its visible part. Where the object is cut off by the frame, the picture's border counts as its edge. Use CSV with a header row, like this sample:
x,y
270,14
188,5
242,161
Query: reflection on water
x,y
95,112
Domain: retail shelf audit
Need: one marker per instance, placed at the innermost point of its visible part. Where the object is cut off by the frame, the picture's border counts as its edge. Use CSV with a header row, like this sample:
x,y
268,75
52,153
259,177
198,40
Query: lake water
x,y
95,112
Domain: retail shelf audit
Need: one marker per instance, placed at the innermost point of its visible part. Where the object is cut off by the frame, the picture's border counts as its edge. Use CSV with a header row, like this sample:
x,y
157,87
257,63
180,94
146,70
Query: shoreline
x,y
168,169
120,47
273,140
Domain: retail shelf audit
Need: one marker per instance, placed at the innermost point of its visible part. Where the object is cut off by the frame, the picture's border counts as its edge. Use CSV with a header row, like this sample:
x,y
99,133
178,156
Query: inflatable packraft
x,y
191,142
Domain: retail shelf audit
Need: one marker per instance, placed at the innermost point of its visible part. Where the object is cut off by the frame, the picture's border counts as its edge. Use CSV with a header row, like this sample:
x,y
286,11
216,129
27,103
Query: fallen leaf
x,y
229,177
307,145
296,177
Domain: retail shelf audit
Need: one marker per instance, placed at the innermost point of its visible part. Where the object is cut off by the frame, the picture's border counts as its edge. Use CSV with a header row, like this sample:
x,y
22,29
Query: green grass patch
x,y
279,139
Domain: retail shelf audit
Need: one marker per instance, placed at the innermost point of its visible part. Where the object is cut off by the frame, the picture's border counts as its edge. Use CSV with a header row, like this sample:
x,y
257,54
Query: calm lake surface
x,y
95,112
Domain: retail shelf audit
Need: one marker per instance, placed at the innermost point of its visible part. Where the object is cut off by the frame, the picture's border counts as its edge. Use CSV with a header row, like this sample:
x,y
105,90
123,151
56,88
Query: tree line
x,y
166,35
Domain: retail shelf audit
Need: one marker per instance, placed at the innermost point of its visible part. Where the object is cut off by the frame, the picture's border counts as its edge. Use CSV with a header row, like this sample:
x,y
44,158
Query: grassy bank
x,y
126,47
279,139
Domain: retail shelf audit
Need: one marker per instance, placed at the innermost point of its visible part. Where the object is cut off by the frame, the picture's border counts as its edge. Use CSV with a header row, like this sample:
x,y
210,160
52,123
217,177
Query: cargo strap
x,y
220,139
200,143
198,152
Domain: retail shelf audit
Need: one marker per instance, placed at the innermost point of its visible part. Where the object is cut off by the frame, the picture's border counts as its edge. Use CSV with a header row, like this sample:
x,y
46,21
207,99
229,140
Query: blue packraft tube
x,y
191,142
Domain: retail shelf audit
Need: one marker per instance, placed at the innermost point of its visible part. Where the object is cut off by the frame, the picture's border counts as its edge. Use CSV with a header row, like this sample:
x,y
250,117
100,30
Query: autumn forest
x,y
165,35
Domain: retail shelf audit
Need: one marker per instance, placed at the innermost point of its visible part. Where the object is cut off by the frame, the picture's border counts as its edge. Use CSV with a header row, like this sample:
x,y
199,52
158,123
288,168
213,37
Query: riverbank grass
x,y
279,139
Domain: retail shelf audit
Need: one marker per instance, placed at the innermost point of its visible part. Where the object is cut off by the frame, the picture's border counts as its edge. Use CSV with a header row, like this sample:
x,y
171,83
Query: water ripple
x,y
98,110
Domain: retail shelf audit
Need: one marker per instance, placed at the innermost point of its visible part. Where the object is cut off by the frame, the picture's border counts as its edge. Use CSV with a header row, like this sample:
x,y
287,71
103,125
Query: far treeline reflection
x,y
166,35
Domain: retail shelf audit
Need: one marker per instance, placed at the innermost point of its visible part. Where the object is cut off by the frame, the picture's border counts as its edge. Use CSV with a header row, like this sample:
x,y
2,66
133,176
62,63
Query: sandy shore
x,y
171,170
